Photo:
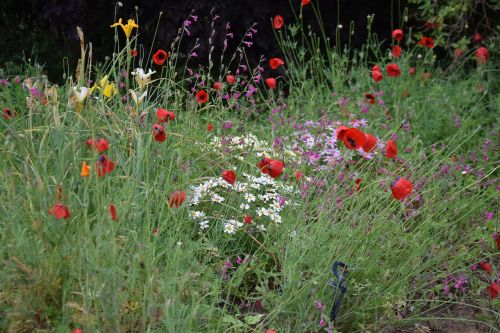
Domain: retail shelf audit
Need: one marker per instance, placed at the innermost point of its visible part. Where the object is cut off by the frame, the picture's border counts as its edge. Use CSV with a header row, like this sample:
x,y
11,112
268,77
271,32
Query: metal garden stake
x,y
339,287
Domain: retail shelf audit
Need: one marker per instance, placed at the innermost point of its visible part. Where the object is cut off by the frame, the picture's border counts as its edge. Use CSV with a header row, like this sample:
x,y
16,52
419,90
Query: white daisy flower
x,y
250,197
204,225
229,228
244,206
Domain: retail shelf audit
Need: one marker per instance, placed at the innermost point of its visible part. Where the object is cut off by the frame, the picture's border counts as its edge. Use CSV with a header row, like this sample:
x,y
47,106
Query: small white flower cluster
x,y
249,143
259,198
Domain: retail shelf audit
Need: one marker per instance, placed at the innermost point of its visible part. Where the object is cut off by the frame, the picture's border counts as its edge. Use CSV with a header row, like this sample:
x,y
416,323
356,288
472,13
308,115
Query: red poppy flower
x,y
163,116
358,183
104,165
230,79
217,86
59,211
278,22
271,83
370,98
397,34
202,96
248,219
377,76
305,2
354,138
485,266
112,211
159,57
100,145
133,52
401,188
477,38
427,42
412,71
8,114
275,63
298,176
393,70
482,55
229,176
370,143
396,51
391,150
159,133
176,198
210,127
77,331
273,168
493,290
376,68
340,132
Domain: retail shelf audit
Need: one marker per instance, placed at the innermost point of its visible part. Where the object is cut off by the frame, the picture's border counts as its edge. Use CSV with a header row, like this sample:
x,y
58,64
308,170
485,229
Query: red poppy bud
x,y
275,63
412,71
217,86
493,290
77,331
271,83
112,211
133,52
248,219
59,211
370,143
401,188
354,138
278,22
305,2
159,57
202,96
391,150
397,34
230,79
393,70
210,127
176,198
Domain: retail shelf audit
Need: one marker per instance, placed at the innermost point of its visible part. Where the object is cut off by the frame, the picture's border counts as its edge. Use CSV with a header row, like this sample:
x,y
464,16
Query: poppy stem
x,y
265,249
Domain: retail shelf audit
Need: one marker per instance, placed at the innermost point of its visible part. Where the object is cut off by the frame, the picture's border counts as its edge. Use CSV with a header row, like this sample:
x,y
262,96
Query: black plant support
x,y
339,287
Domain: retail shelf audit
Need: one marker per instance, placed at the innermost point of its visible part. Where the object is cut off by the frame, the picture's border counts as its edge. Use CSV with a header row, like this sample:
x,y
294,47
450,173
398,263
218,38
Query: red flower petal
x,y
370,143
401,188
176,199
377,76
202,96
230,79
493,290
354,138
229,176
393,70
159,57
397,34
275,63
275,168
391,150
59,211
271,83
112,211
278,22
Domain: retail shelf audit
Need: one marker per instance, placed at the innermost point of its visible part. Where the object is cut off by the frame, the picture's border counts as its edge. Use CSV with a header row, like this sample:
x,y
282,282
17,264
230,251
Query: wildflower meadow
x,y
322,189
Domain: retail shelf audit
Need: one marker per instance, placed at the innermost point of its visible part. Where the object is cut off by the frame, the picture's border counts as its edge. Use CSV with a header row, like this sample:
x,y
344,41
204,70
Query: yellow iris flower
x,y
127,28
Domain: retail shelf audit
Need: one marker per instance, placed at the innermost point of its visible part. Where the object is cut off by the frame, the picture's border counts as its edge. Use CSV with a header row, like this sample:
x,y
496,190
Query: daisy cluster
x,y
241,146
250,202
317,144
